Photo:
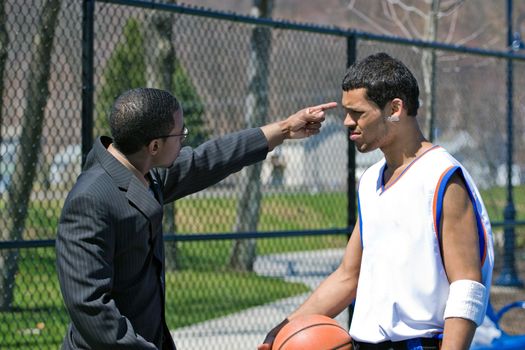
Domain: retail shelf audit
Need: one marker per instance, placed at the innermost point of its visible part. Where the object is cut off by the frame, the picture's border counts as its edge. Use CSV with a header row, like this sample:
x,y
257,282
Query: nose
x,y
349,121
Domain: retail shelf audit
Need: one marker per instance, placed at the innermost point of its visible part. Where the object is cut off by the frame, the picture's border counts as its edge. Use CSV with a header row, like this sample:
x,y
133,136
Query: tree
x,y
243,252
414,20
130,66
439,20
160,67
21,185
166,72
125,69
4,42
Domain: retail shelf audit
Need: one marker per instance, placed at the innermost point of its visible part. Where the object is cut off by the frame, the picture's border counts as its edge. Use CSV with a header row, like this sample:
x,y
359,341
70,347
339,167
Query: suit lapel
x,y
145,201
136,192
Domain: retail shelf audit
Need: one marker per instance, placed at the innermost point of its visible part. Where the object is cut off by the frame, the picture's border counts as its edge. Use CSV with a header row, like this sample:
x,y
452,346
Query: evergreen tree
x,y
126,69
192,105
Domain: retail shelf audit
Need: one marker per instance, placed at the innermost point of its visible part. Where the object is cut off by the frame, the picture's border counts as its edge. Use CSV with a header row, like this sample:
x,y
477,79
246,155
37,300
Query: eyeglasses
x,y
184,134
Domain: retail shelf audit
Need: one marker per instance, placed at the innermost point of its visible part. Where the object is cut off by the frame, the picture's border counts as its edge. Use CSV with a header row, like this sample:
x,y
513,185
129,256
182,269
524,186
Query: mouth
x,y
354,135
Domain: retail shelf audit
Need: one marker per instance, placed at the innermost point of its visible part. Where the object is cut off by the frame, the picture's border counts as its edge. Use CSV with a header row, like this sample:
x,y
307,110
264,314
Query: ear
x,y
153,147
396,107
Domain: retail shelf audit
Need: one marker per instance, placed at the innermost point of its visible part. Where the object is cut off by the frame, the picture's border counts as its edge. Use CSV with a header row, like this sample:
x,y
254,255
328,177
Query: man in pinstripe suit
x,y
110,252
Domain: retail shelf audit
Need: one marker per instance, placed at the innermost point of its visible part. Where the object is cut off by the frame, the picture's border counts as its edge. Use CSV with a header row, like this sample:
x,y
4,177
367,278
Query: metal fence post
x,y
351,57
88,18
508,275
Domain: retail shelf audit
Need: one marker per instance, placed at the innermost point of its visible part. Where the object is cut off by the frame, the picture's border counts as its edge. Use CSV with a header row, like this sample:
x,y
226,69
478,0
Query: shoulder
x,y
437,157
92,185
374,169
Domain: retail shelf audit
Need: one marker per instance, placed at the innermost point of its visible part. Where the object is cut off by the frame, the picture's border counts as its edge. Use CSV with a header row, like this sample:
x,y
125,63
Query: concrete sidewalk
x,y
246,329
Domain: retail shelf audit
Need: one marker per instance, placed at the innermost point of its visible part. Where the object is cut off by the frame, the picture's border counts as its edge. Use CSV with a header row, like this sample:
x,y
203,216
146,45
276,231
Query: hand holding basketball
x,y
311,332
270,337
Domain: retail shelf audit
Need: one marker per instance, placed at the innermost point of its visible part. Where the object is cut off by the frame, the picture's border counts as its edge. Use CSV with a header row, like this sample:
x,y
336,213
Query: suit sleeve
x,y
84,248
199,168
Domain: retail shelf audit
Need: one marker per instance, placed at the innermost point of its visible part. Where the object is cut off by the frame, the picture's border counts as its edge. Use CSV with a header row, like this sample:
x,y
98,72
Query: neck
x,y
406,148
132,162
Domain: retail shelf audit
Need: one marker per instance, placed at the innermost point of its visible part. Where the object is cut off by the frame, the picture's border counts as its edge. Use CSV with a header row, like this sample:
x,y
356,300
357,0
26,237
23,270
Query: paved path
x,y
246,329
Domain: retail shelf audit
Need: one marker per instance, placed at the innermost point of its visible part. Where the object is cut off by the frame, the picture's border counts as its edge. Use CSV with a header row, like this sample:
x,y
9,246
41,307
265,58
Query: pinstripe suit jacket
x,y
110,252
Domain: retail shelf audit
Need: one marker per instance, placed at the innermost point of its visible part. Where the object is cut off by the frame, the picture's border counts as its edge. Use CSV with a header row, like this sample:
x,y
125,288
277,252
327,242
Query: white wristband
x,y
467,299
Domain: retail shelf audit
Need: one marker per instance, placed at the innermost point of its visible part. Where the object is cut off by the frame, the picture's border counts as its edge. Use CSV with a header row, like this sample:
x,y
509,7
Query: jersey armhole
x,y
438,209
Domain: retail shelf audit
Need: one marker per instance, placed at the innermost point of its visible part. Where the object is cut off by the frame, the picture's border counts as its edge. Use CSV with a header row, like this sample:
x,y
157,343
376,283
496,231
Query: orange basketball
x,y
312,332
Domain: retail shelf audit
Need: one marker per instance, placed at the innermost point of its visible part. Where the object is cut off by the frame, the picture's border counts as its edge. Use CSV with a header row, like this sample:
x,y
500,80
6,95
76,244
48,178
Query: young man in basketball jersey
x,y
419,262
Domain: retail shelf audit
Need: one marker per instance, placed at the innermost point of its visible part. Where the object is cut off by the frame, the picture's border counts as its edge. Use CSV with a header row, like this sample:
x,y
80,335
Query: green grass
x,y
37,302
278,212
42,218
495,200
198,296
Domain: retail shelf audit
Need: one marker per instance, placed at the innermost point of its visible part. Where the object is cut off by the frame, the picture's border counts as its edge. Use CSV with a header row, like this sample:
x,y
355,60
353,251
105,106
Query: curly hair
x,y
384,79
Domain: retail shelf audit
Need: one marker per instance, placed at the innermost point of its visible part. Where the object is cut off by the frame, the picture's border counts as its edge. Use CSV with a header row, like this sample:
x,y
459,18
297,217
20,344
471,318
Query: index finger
x,y
322,107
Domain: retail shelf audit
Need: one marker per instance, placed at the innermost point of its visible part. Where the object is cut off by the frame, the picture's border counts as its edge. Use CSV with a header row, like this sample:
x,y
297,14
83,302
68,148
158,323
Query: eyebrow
x,y
351,109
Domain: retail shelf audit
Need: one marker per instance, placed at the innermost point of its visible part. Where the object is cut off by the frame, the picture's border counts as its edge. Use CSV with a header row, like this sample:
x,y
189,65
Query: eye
x,y
354,114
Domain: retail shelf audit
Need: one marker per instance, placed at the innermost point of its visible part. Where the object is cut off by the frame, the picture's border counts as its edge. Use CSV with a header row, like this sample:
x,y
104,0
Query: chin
x,y
365,149
167,165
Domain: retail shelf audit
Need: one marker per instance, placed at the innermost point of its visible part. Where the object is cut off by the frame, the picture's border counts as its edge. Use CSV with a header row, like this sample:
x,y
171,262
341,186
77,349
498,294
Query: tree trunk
x,y
4,42
428,64
160,67
243,252
21,185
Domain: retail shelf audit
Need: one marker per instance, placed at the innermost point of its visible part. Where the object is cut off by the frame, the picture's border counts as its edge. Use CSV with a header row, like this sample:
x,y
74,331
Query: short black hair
x,y
384,79
141,115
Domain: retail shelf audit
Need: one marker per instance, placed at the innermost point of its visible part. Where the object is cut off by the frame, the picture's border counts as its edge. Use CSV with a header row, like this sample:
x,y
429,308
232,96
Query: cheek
x,y
176,151
375,130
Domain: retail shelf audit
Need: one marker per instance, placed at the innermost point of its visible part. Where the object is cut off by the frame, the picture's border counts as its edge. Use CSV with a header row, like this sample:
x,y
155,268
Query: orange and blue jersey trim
x,y
438,209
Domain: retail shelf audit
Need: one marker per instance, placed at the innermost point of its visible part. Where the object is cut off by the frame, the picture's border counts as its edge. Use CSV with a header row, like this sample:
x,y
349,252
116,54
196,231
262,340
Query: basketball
x,y
312,332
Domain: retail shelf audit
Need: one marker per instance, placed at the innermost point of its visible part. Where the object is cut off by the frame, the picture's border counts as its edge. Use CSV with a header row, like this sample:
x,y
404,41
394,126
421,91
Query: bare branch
x,y
448,10
472,36
408,8
452,27
366,19
386,9
414,29
397,21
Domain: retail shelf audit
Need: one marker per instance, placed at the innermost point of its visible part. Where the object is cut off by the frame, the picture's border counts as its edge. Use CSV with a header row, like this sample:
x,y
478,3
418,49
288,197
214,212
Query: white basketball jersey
x,y
403,287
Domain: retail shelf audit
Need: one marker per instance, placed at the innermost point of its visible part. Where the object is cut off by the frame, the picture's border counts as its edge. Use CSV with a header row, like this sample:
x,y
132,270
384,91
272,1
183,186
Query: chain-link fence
x,y
225,69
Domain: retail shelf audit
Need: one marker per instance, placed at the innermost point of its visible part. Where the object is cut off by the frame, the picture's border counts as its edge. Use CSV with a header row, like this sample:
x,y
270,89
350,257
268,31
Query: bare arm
x,y
335,293
338,290
460,255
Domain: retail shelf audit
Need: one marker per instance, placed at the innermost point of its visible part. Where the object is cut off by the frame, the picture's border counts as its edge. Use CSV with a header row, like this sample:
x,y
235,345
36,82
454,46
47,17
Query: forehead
x,y
356,99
